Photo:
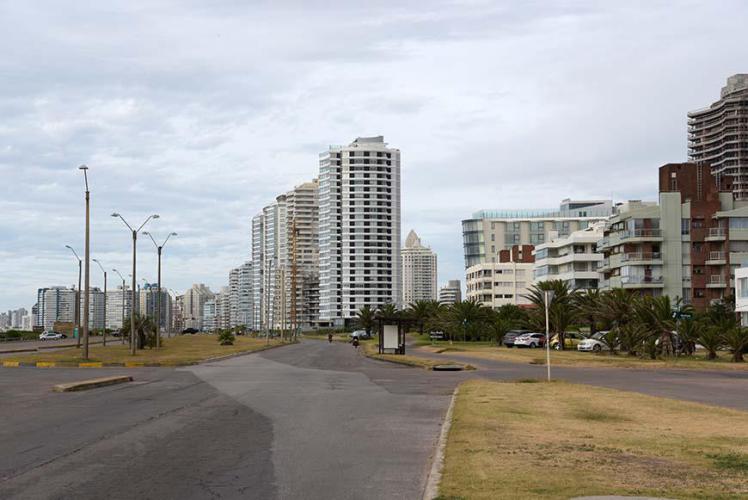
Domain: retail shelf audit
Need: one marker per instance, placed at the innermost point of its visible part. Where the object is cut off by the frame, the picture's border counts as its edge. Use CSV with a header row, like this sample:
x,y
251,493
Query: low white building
x,y
495,284
572,259
741,294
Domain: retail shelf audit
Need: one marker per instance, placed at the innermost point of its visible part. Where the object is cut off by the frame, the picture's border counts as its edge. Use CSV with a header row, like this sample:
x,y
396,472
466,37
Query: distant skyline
x,y
203,113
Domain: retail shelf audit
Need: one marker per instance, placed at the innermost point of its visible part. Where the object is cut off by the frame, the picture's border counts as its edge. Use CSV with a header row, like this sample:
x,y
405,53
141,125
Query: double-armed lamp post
x,y
77,312
133,345
122,326
103,271
159,248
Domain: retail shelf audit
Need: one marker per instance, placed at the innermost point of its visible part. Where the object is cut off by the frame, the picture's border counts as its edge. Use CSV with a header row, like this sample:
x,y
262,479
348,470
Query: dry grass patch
x,y
183,349
586,359
559,440
371,350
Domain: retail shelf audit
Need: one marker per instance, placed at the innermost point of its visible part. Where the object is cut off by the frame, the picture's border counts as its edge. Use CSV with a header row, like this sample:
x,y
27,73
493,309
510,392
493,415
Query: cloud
x,y
204,112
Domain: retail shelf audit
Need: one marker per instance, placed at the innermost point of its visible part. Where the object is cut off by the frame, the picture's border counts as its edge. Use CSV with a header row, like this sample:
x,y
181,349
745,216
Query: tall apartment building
x,y
59,305
96,312
193,301
506,281
39,307
359,228
118,306
451,293
241,296
209,315
148,304
490,231
573,259
418,270
718,136
687,246
258,267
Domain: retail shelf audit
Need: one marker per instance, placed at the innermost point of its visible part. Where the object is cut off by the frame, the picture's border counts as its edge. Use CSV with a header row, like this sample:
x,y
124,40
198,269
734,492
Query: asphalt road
x,y
314,420
309,421
721,388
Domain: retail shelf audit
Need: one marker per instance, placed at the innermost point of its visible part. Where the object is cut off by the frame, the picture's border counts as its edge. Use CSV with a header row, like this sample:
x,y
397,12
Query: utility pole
x,y
282,302
87,255
294,320
548,298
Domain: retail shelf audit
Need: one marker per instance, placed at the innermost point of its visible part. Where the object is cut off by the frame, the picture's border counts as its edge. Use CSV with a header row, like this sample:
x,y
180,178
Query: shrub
x,y
226,338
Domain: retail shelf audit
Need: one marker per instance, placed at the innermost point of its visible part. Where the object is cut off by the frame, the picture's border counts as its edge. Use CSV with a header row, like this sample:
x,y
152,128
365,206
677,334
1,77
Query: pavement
x,y
311,421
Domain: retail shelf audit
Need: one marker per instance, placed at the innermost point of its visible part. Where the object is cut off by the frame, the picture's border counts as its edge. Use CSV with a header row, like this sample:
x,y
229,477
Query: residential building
x,y
193,302
451,293
177,313
359,228
209,315
40,306
418,270
241,295
506,281
27,322
258,275
573,259
148,304
118,306
222,302
490,231
96,313
59,306
16,317
718,136
741,294
685,246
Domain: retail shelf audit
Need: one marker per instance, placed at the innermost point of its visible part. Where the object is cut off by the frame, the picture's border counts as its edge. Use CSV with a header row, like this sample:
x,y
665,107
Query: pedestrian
x,y
329,337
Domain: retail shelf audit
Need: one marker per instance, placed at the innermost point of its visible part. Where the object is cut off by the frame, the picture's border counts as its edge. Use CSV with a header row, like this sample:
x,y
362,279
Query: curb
x,y
91,384
128,364
437,464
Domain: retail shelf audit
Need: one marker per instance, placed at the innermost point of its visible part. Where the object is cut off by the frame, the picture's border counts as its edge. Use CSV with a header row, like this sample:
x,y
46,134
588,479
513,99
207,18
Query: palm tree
x,y
366,318
561,313
736,339
420,311
710,338
587,305
467,315
145,330
388,310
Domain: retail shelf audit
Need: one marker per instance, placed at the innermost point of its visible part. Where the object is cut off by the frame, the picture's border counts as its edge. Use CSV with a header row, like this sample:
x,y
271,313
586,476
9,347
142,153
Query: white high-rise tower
x,y
419,271
359,228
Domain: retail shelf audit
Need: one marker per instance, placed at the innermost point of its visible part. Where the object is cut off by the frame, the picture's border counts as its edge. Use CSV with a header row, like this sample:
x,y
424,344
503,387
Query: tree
x,y
226,338
420,311
145,330
366,318
467,316
710,338
736,339
388,310
587,305
561,313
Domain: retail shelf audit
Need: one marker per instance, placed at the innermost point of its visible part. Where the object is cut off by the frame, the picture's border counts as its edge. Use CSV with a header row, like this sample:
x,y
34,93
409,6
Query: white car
x,y
531,340
592,343
51,336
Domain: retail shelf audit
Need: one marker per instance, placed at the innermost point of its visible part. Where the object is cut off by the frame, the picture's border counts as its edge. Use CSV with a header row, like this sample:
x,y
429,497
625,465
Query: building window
x,y
685,226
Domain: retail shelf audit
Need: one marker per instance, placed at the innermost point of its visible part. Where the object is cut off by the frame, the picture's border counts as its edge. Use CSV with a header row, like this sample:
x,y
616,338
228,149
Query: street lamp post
x,y
87,255
122,326
159,248
77,314
104,271
134,266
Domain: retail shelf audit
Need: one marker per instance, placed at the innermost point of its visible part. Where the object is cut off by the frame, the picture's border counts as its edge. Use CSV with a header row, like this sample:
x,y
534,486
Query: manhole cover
x,y
447,368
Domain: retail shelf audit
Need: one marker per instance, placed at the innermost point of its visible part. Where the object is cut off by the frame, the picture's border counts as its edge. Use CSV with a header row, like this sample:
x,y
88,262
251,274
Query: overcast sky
x,y
204,111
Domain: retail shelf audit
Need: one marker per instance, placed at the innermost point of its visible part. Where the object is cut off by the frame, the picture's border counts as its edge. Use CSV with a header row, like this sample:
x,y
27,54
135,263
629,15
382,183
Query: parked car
x,y
531,340
437,335
592,343
360,335
571,340
190,331
510,337
52,336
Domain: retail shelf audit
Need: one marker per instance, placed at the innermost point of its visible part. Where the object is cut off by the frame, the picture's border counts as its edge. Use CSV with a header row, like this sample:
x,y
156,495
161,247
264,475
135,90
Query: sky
x,y
203,112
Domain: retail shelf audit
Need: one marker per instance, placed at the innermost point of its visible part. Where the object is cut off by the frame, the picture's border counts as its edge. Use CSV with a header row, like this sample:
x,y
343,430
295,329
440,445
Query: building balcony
x,y
641,235
642,257
716,281
716,259
602,244
603,265
716,234
641,281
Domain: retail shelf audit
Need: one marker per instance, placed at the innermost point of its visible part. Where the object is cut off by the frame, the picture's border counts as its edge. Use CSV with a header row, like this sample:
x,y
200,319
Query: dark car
x,y
508,339
190,331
